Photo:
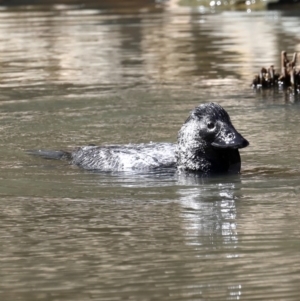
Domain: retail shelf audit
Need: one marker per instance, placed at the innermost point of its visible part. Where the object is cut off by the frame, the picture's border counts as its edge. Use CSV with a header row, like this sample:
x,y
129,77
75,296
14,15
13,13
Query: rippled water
x,y
72,76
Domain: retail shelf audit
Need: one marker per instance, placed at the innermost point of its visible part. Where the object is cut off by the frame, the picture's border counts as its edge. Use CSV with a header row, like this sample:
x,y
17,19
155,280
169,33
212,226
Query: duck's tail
x,y
50,154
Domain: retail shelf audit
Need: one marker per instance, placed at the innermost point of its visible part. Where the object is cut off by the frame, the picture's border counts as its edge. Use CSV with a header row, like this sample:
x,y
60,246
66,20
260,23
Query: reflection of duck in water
x,y
207,143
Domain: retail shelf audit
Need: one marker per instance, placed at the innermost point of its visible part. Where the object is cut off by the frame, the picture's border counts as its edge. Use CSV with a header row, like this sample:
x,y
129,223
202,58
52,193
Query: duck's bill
x,y
230,139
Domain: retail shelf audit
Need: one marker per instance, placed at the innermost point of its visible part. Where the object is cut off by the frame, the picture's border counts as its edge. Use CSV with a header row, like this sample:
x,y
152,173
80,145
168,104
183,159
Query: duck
x,y
207,144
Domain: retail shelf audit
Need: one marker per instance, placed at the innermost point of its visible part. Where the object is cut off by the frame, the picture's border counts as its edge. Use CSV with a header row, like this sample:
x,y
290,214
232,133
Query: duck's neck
x,y
193,158
194,155
191,149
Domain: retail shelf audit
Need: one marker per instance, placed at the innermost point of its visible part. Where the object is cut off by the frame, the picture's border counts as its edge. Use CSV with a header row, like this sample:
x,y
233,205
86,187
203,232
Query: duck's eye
x,y
210,125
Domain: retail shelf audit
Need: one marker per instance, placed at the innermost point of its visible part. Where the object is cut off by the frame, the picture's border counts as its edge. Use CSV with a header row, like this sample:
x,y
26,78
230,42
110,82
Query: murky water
x,y
72,76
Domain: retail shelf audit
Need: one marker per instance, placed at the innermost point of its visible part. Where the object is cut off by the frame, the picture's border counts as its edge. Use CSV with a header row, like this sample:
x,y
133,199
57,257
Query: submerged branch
x,y
289,77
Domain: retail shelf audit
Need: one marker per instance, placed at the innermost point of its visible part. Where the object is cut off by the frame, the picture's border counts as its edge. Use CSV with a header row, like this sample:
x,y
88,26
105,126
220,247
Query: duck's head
x,y
215,127
208,141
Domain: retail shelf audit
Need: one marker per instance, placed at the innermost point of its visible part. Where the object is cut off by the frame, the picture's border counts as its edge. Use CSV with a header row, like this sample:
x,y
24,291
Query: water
x,y
72,76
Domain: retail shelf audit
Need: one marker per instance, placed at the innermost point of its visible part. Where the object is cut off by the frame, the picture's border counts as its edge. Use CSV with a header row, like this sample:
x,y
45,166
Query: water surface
x,y
72,76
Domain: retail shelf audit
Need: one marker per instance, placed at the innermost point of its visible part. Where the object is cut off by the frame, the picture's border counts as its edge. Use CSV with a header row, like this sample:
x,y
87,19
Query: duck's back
x,y
125,157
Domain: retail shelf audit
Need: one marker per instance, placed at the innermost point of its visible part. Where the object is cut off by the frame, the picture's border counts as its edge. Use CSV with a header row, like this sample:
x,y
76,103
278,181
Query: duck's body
x,y
125,157
207,144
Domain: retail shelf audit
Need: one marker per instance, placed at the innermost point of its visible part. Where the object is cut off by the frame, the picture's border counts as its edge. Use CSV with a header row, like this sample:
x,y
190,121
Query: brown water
x,y
72,76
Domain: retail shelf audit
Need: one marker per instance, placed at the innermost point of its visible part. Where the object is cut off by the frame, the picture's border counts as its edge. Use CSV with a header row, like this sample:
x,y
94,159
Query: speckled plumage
x,y
125,157
209,150
207,143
